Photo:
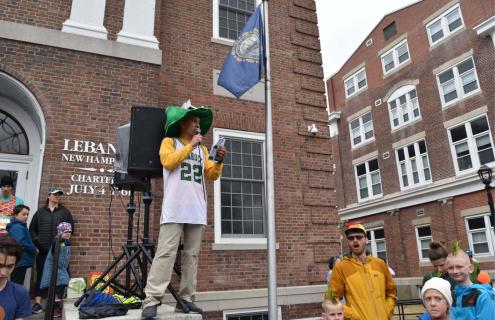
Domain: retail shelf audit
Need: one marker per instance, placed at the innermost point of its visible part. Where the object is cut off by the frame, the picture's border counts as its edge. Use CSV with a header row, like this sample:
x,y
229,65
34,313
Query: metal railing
x,y
401,304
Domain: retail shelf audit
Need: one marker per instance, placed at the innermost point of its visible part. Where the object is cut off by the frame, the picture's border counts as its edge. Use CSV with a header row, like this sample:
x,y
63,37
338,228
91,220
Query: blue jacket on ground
x,y
63,265
474,302
19,232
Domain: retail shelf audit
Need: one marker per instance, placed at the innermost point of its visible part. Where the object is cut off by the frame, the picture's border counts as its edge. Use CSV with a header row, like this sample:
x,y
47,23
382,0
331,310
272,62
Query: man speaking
x,y
185,164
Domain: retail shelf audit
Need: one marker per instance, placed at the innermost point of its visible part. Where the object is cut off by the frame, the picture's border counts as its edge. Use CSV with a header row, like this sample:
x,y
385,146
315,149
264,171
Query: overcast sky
x,y
345,23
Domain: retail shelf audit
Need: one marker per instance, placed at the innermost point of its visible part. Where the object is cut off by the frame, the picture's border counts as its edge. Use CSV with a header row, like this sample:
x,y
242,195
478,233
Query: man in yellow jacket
x,y
364,281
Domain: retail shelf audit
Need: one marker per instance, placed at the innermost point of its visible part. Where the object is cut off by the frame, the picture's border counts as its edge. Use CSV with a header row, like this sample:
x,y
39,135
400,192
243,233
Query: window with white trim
x,y
403,106
368,180
423,239
355,83
377,246
445,24
361,129
471,144
239,193
480,236
413,165
458,82
394,57
230,16
250,314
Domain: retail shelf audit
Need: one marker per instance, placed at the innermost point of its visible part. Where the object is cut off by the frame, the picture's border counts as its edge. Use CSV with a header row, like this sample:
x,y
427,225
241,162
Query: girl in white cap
x,y
437,298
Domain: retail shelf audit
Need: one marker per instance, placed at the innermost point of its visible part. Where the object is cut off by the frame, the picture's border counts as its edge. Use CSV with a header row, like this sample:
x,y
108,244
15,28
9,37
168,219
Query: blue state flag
x,y
244,65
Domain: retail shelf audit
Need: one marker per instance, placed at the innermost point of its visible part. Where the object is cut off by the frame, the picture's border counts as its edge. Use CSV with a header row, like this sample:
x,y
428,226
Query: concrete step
x,y
165,312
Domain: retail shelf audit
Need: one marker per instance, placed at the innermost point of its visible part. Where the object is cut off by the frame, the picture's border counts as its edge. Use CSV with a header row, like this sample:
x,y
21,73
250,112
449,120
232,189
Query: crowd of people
x,y
22,248
361,286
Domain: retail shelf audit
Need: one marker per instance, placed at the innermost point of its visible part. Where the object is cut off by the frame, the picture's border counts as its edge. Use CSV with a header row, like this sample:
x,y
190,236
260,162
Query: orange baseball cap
x,y
355,227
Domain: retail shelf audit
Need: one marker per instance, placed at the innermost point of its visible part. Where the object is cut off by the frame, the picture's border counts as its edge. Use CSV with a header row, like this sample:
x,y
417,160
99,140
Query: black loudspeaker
x,y
146,135
122,179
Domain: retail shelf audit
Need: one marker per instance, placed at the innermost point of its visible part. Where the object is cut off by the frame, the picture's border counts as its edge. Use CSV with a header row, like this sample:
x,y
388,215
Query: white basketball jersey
x,y
184,190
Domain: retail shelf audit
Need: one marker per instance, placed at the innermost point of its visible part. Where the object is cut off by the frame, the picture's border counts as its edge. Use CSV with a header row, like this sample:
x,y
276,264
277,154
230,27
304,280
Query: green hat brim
x,y
174,115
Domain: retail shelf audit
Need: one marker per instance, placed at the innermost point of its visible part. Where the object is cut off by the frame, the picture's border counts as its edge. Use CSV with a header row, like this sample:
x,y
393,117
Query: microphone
x,y
198,131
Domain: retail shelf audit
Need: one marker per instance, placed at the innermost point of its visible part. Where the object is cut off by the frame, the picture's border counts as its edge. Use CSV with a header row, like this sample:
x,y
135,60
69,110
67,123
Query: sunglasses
x,y
355,238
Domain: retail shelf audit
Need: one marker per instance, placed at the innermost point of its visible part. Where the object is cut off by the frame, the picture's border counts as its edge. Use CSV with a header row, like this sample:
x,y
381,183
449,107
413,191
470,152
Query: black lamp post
x,y
485,174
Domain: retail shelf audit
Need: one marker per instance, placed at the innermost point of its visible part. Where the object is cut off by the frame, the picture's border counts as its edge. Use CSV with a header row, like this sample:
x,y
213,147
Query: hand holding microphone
x,y
197,138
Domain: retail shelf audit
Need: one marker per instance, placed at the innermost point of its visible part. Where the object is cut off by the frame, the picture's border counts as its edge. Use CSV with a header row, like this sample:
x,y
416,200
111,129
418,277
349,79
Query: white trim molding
x,y
487,28
86,19
139,24
64,40
449,187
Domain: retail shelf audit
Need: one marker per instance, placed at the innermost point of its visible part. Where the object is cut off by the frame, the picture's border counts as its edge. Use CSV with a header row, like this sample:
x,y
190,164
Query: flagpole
x,y
270,197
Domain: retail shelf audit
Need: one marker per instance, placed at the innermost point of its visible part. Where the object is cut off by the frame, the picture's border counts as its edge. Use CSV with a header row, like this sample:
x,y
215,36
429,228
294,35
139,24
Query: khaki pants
x,y
163,263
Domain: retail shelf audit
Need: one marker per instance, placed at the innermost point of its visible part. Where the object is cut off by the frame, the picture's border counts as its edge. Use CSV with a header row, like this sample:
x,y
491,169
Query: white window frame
x,y
362,132
410,107
471,142
457,83
369,183
409,168
251,310
216,25
490,236
395,57
419,239
445,27
217,133
372,242
354,78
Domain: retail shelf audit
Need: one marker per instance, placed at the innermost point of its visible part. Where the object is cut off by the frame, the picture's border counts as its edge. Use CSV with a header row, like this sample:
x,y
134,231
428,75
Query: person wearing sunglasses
x,y
364,281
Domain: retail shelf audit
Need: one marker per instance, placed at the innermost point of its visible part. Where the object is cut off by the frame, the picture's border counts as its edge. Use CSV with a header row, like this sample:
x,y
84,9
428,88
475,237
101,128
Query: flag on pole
x,y
244,64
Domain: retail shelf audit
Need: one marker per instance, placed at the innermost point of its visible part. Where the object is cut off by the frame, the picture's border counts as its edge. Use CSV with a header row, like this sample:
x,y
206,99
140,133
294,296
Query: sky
x,y
343,28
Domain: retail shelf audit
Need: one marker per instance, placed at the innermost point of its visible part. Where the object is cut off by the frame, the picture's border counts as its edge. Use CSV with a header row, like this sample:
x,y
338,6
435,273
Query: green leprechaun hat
x,y
174,115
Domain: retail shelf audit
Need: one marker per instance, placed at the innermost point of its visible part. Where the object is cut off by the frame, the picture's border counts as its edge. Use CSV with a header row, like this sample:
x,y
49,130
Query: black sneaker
x,y
37,308
149,313
189,307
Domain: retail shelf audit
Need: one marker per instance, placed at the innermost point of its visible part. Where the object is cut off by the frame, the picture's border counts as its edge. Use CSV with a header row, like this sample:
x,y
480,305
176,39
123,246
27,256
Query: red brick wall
x,y
423,62
86,96
446,225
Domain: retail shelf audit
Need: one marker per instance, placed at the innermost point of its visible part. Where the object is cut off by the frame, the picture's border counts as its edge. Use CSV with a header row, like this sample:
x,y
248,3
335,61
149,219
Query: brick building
x,y
412,118
70,72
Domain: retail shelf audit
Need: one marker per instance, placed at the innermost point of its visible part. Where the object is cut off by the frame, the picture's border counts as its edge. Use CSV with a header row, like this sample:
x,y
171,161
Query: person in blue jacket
x,y
437,299
64,230
470,301
18,231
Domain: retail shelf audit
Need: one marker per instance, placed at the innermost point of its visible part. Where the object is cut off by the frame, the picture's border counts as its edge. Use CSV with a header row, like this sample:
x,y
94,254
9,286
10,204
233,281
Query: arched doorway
x,y
22,139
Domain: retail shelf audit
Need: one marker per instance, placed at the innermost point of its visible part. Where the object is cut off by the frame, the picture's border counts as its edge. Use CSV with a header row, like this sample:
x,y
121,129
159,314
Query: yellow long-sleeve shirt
x,y
171,158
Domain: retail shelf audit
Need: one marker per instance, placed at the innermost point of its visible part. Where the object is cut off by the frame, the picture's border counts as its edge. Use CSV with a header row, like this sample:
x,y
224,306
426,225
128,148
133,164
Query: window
x,y
230,16
355,83
403,106
239,193
458,82
413,165
368,180
361,129
445,24
423,239
479,235
471,144
248,316
389,31
395,57
376,243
